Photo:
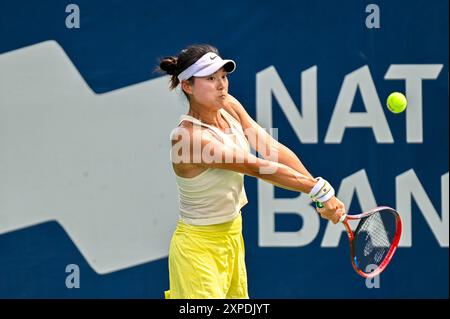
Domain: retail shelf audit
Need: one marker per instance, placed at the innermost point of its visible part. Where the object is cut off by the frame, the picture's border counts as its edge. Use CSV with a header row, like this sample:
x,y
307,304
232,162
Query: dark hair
x,y
174,65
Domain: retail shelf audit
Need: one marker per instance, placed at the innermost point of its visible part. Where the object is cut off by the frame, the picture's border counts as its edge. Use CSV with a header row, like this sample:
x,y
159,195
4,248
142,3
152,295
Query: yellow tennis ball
x,y
396,102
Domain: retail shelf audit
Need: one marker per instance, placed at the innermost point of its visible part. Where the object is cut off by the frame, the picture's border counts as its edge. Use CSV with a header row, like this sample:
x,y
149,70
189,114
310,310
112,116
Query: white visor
x,y
207,65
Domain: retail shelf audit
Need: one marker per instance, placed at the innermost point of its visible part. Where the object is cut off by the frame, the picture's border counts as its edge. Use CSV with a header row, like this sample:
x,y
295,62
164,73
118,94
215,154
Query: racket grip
x,y
343,217
320,205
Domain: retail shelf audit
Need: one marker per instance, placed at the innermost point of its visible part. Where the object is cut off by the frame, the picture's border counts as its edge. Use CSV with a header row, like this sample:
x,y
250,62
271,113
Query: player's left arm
x,y
262,141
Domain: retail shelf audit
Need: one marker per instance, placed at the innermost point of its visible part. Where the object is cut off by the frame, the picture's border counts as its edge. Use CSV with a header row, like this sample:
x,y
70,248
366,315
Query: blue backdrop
x,y
118,44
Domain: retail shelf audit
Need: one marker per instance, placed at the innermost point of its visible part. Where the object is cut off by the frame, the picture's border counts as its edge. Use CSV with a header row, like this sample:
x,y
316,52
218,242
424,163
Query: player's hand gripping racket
x,y
374,240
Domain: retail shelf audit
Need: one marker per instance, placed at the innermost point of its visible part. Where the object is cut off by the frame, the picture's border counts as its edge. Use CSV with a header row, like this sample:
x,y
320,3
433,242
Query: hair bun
x,y
169,64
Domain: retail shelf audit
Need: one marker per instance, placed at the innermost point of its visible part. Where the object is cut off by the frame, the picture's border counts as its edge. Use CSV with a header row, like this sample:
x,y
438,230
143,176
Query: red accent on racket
x,y
374,240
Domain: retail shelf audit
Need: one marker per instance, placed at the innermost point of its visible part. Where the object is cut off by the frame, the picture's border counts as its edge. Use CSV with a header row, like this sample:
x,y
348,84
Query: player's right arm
x,y
201,148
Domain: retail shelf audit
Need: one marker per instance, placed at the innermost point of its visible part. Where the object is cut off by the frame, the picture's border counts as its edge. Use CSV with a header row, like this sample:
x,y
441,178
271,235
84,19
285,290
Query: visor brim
x,y
228,65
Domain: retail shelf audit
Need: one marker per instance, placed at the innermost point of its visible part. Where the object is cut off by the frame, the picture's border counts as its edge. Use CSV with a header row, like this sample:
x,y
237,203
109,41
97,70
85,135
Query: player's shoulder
x,y
180,132
234,108
186,131
237,110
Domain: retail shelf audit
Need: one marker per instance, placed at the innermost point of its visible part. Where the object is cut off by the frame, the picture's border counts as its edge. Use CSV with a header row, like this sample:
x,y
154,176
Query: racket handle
x,y
320,205
343,217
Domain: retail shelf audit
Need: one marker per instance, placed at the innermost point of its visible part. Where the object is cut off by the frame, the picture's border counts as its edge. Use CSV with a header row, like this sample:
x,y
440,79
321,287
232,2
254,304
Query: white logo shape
x,y
96,163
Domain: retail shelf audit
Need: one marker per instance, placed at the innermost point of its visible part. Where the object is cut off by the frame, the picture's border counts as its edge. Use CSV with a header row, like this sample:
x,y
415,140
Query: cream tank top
x,y
214,196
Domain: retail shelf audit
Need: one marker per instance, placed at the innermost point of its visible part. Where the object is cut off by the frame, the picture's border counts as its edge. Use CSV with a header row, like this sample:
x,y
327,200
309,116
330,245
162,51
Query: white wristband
x,y
320,183
322,191
326,196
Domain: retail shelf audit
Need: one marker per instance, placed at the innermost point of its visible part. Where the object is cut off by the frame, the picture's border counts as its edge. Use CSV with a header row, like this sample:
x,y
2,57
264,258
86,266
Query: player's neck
x,y
210,117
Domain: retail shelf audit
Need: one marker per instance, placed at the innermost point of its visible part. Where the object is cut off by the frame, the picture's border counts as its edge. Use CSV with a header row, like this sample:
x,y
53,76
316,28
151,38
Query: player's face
x,y
210,91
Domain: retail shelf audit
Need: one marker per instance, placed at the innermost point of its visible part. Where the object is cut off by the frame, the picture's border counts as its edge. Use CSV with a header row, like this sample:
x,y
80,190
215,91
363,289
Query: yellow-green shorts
x,y
207,262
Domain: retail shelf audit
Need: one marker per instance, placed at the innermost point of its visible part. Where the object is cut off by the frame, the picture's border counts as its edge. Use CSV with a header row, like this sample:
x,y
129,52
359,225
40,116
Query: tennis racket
x,y
374,240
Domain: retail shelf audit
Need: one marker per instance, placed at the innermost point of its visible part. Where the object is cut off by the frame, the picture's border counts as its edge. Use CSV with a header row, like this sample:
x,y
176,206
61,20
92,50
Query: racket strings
x,y
373,226
373,239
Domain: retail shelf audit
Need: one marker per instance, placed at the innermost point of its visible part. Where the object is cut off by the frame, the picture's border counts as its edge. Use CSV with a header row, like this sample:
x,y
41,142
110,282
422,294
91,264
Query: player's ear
x,y
186,87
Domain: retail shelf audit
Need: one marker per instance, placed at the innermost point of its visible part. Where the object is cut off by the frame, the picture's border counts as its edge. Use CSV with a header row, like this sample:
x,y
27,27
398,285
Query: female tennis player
x,y
210,156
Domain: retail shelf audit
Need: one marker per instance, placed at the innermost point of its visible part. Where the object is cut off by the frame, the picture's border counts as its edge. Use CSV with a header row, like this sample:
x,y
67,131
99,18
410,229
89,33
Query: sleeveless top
x,y
214,196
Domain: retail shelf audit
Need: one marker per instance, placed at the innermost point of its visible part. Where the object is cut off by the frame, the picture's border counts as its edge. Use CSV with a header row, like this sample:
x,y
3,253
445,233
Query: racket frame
x,y
392,248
